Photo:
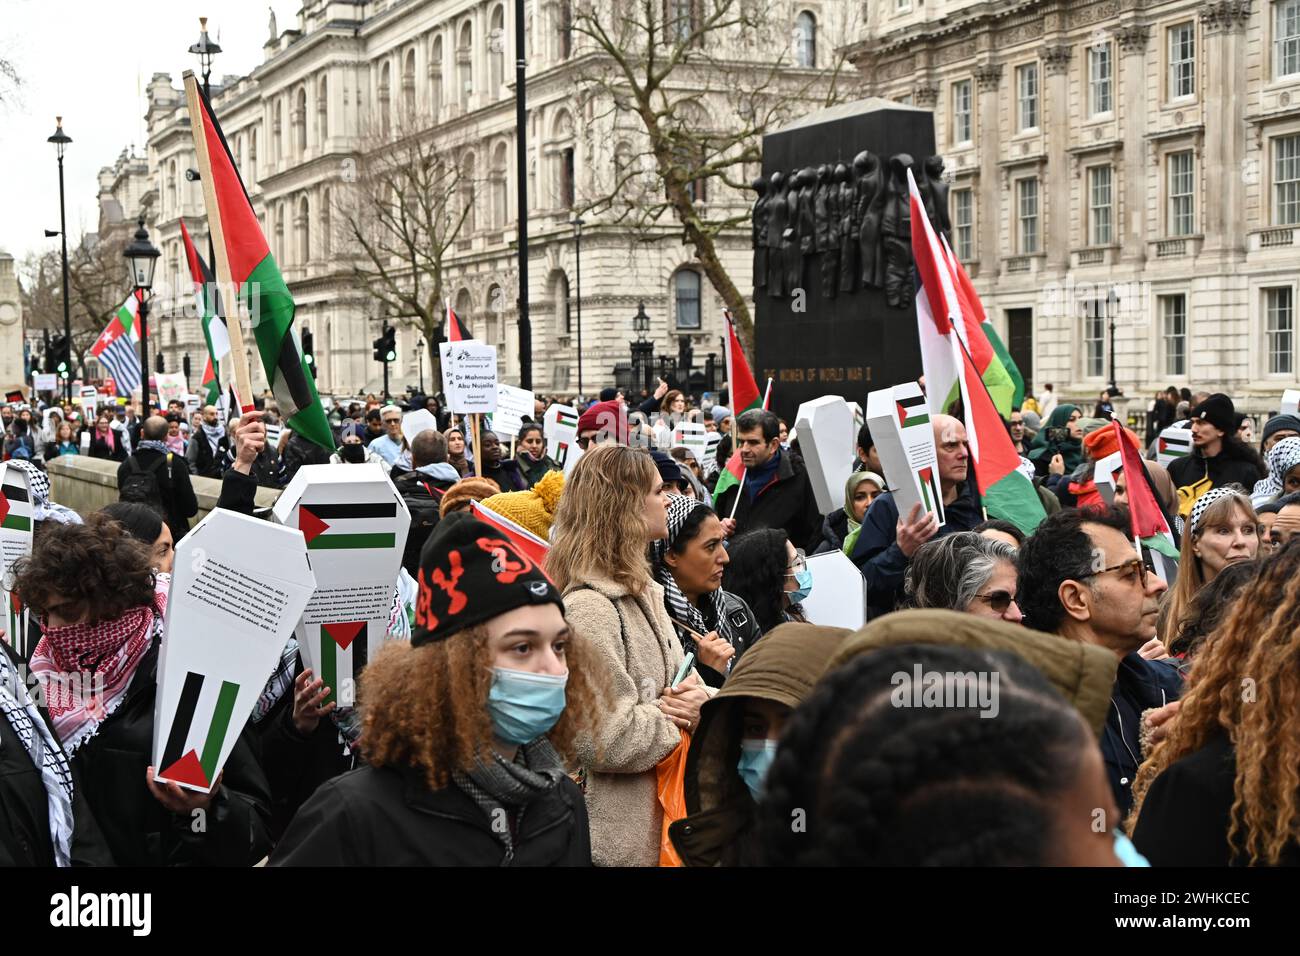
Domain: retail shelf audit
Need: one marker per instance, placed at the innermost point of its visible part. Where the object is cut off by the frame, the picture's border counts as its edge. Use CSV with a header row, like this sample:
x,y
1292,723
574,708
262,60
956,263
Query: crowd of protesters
x,y
656,694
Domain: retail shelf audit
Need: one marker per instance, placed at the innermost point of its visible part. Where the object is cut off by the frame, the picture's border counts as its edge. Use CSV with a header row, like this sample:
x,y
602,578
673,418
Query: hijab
x,y
1070,450
851,488
1282,457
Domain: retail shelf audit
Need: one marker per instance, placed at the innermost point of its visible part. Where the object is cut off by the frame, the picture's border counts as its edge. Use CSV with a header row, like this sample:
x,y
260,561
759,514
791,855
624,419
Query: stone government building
x,y
1153,146
296,123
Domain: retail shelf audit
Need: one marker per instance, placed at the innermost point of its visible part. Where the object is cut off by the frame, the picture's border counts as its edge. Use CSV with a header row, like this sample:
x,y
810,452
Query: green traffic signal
x,y
391,357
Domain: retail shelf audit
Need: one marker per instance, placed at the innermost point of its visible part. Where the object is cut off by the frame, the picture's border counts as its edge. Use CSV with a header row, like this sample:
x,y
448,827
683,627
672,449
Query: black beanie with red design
x,y
469,573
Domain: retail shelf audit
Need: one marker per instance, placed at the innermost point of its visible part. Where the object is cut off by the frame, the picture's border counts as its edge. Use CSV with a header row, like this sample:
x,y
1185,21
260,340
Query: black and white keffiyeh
x,y
38,482
154,445
679,608
1193,521
18,708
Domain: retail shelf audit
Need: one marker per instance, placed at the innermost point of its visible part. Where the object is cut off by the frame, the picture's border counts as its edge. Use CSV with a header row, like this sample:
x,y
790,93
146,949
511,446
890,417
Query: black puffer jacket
x,y
111,767
388,816
835,528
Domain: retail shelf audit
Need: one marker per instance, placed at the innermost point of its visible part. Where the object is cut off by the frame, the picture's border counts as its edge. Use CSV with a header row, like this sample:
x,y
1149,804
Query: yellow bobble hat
x,y
533,509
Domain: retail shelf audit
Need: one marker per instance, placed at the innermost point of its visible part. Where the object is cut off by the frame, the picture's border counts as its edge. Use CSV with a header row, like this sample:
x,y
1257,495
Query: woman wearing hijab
x,y
456,456
1283,473
467,728
840,527
101,608
689,564
1060,435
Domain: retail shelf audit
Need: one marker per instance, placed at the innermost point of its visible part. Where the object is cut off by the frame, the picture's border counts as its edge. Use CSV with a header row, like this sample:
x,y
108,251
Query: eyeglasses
x,y
390,421
584,442
999,601
1127,567
799,565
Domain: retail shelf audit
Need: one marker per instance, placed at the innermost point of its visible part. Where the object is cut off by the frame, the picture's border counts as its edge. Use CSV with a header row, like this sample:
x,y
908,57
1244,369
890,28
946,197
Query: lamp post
x,y
205,50
1112,308
142,258
61,140
642,350
419,354
577,224
521,161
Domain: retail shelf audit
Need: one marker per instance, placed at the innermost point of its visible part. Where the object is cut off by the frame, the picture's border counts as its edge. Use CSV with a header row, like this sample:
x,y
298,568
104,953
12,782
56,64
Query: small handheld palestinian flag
x,y
743,390
245,265
238,587
15,543
1173,444
354,525
1150,530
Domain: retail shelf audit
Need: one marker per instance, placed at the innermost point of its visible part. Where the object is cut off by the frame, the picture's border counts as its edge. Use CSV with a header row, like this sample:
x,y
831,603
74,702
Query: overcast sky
x,y
90,61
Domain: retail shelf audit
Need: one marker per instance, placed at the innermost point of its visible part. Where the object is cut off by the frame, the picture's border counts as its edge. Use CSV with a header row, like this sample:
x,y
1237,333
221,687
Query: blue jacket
x,y
1140,684
882,561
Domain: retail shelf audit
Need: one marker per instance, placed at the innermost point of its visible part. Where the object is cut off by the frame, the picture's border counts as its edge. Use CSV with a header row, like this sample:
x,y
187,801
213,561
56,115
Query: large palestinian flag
x,y
243,253
208,304
744,392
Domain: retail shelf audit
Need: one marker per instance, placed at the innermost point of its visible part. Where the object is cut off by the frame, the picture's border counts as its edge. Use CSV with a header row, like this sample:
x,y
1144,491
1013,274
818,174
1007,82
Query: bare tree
x,y
701,82
400,217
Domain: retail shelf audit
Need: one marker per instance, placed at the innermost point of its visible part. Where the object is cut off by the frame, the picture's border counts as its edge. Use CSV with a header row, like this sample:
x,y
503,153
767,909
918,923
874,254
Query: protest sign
x,y
1103,475
15,543
712,441
512,405
560,425
839,594
238,586
469,376
89,397
417,421
170,385
192,403
900,426
694,438
1290,402
43,382
354,524
825,427
1173,444
273,435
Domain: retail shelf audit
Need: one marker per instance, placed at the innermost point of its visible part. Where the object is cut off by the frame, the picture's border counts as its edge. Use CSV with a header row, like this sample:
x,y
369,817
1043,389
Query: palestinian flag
x,y
566,419
15,505
16,630
740,380
948,336
208,306
1000,350
456,330
255,276
342,655
1172,444
733,474
199,728
348,527
1149,526
527,543
912,411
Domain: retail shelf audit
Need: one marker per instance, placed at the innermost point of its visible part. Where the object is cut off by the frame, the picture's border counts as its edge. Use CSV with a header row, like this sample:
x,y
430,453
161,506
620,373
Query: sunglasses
x,y
999,601
1125,568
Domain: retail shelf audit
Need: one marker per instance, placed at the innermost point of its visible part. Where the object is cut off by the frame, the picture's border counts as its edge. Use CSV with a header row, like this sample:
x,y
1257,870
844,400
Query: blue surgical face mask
x,y
755,761
1128,854
523,705
804,580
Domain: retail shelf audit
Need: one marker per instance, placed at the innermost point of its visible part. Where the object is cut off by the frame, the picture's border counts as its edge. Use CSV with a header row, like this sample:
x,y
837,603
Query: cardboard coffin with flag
x,y
256,277
117,348
238,587
900,427
956,357
560,426
15,544
1173,444
354,525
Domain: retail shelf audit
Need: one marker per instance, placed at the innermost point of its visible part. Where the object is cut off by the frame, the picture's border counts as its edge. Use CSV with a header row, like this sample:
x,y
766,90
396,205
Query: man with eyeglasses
x,y
391,445
1081,578
888,540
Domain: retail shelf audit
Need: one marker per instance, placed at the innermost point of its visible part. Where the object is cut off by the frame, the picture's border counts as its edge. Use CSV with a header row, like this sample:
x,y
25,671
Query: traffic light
x,y
386,345
185,365
307,352
158,364
60,355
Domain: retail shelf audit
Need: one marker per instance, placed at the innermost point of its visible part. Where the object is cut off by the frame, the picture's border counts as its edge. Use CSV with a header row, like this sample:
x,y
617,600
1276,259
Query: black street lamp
x,y
61,140
1112,309
577,224
205,50
419,354
142,258
642,349
521,161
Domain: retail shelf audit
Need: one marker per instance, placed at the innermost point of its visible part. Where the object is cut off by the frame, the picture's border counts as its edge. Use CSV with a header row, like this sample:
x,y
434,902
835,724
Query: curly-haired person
x,y
466,729
1224,786
101,615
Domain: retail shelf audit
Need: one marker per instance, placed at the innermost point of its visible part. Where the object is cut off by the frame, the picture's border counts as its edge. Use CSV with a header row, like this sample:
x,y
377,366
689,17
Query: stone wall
x,y
87,484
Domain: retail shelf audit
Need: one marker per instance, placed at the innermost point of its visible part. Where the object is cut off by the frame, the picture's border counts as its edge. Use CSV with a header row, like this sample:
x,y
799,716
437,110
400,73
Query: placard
x,y
15,542
825,432
469,376
560,426
238,587
192,403
45,382
839,594
417,421
900,426
1103,475
1173,444
355,525
170,385
512,405
694,438
89,397
1290,402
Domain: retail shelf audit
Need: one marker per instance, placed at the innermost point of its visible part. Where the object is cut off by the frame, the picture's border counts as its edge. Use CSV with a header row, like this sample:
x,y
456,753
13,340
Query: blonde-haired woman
x,y
612,508
1221,529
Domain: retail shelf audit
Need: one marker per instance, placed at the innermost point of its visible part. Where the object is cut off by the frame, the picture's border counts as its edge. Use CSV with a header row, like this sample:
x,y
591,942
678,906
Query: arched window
x,y
805,40
302,229
385,100
171,187
464,306
465,65
279,234
435,76
300,120
467,173
495,306
686,298
326,224
500,211
277,145
408,85
322,112
559,286
497,50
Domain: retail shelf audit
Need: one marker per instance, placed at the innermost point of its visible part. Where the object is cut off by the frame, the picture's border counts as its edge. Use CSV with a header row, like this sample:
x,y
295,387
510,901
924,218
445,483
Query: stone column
x,y
1056,234
1132,102
988,77
1223,80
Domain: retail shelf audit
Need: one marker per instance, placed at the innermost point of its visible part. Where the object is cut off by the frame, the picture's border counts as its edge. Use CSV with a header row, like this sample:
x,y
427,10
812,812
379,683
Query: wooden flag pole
x,y
740,489
234,327
478,457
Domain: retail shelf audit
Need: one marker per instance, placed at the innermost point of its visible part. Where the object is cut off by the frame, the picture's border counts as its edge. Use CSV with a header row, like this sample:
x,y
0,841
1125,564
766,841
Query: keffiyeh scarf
x,y
1282,457
42,507
679,608
17,707
1193,521
214,433
153,444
